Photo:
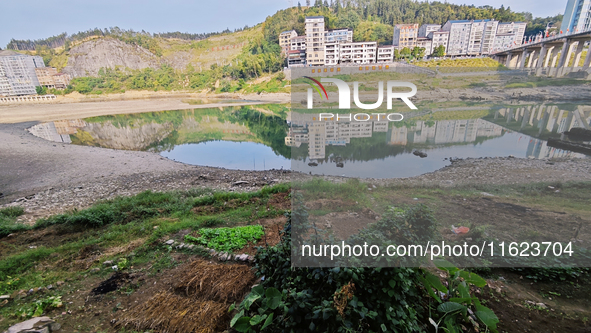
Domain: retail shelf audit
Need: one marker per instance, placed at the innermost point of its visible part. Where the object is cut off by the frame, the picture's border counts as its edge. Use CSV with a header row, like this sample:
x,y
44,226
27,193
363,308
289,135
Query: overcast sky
x,y
34,19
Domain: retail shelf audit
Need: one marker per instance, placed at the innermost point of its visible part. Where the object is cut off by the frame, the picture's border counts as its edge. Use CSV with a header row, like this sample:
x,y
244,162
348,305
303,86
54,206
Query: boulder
x,y
35,325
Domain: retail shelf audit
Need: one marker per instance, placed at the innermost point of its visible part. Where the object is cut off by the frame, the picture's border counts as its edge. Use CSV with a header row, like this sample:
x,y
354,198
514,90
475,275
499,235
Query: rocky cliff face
x,y
87,58
129,137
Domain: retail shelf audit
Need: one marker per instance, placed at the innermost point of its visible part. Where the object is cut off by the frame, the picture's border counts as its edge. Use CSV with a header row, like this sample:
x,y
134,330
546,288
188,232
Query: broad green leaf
x,y
256,320
267,322
448,307
445,265
258,290
242,324
487,316
473,278
236,317
435,282
427,286
251,298
464,291
273,298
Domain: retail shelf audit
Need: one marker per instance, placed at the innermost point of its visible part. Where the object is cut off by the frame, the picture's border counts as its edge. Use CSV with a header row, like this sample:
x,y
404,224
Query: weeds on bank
x,y
143,219
8,224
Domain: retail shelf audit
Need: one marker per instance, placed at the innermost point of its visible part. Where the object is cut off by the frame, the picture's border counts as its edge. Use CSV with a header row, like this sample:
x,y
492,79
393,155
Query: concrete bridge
x,y
550,56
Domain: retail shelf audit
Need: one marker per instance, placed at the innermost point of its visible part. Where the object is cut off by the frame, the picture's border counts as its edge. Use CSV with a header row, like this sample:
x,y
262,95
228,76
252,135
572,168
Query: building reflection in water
x,y
57,131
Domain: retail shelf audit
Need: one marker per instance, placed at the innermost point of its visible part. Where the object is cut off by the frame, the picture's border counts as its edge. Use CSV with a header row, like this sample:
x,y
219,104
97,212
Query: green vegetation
x,y
484,62
38,307
534,82
227,239
259,58
8,222
348,299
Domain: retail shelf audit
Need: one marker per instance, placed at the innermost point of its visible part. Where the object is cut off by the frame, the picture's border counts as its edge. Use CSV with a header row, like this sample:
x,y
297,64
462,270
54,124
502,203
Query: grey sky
x,y
34,19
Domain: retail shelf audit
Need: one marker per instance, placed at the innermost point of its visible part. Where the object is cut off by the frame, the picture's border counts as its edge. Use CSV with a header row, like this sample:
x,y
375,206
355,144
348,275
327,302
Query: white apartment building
x,y
297,43
331,53
426,29
509,35
315,40
17,76
405,35
285,40
425,43
358,53
385,54
470,37
338,35
438,38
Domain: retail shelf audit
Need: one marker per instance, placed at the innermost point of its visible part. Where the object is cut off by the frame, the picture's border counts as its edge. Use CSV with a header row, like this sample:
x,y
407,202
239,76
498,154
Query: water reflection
x,y
269,136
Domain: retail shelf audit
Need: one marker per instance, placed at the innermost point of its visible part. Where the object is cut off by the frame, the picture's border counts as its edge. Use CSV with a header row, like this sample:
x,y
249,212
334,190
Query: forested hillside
x,y
375,19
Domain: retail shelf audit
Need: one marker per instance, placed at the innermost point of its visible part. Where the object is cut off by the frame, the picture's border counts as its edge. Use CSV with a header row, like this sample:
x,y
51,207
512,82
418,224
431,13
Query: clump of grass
x,y
8,224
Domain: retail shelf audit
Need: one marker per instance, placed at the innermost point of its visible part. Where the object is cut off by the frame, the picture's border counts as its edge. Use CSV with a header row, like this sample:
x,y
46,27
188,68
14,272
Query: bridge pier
x,y
530,61
587,59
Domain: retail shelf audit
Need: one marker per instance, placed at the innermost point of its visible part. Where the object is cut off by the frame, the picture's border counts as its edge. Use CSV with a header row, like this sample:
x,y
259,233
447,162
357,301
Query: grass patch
x,y
227,239
8,224
545,82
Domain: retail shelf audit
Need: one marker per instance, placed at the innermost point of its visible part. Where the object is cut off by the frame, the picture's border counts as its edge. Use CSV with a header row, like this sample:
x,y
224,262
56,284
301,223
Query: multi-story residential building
x,y
577,16
405,35
470,37
61,80
50,78
331,53
296,58
509,35
18,73
315,40
426,29
45,76
438,38
425,43
338,35
385,54
285,40
298,43
358,52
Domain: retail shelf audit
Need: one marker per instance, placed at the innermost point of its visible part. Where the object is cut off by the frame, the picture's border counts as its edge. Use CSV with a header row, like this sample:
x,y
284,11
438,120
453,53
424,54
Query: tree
x,y
405,53
41,90
299,6
418,52
439,51
396,54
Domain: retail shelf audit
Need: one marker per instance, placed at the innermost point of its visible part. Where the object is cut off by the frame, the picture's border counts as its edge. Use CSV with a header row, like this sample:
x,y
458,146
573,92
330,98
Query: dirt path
x,y
59,111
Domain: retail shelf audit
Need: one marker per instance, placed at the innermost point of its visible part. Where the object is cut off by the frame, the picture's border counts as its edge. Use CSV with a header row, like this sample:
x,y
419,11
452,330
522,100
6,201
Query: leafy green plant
x,y
8,284
305,299
227,239
456,304
38,307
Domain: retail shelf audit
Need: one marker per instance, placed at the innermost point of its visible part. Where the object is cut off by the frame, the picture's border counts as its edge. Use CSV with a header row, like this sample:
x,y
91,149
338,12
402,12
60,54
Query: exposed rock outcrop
x,y
87,58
